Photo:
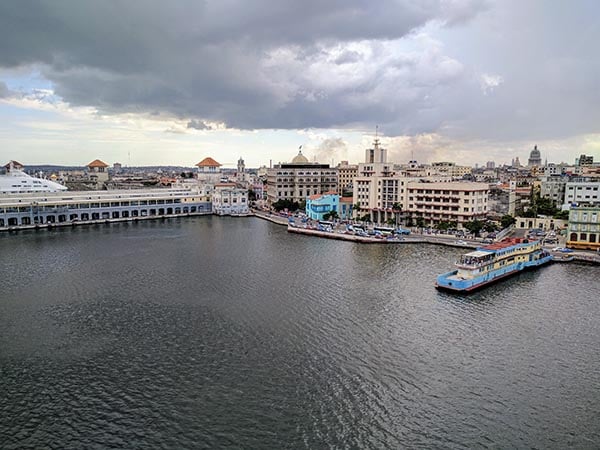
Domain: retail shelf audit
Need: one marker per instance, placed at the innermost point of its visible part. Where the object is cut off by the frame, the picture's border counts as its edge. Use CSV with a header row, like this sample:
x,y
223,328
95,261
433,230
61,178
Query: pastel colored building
x,y
320,204
346,206
584,228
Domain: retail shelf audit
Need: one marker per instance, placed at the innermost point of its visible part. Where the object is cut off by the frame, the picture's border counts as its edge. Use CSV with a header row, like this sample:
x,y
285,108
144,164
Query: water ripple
x,y
214,332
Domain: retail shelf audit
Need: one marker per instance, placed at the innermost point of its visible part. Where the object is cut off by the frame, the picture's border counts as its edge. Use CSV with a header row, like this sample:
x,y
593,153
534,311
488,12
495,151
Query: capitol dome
x,y
300,158
535,157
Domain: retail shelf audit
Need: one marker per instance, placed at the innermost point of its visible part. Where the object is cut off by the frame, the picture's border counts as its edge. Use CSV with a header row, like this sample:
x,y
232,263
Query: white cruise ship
x,y
15,181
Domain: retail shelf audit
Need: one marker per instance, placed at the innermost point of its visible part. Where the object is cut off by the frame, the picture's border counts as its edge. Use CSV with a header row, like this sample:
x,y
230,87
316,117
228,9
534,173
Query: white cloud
x,y
490,82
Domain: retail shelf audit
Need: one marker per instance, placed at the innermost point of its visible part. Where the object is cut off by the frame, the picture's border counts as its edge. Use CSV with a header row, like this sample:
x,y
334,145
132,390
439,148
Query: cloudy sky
x,y
156,82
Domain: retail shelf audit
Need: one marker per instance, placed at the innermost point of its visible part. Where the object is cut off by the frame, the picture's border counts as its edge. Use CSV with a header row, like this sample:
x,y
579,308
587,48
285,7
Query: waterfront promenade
x,y
415,238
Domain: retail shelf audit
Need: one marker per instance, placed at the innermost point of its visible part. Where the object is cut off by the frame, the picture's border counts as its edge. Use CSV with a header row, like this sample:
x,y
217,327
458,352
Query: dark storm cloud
x,y
216,61
289,64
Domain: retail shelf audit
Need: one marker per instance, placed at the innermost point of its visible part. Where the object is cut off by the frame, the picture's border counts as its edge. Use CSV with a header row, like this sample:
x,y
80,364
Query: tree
x,y
397,210
420,222
356,208
331,215
444,225
507,220
474,226
540,205
562,215
490,226
282,204
545,206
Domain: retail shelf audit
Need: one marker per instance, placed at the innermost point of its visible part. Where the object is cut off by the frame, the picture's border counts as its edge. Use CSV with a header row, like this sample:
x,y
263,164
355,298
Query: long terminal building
x,y
48,209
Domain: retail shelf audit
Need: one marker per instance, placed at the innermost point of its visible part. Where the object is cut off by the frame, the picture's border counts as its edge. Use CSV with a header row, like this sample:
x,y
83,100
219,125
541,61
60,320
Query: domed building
x,y
299,179
535,158
300,158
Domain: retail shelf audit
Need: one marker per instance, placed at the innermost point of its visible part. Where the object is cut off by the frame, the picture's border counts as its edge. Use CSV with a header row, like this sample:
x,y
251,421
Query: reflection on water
x,y
207,332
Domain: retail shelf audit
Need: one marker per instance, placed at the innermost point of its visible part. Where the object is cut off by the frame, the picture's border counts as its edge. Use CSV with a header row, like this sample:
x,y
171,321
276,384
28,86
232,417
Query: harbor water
x,y
210,332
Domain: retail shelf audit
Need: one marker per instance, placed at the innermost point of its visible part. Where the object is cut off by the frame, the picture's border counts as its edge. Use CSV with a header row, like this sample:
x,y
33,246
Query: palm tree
x,y
356,208
396,209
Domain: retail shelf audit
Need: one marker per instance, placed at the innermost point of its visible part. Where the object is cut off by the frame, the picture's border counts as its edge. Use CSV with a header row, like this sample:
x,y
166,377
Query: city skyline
x,y
463,81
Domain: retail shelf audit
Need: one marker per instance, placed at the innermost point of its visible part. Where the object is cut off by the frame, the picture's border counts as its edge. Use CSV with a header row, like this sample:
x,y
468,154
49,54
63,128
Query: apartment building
x,y
450,169
553,187
582,192
346,174
447,201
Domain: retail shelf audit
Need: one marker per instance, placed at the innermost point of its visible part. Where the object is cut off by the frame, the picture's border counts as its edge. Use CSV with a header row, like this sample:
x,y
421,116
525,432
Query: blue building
x,y
320,204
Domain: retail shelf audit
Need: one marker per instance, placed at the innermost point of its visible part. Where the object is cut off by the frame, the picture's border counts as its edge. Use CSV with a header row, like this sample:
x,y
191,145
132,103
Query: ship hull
x,y
445,282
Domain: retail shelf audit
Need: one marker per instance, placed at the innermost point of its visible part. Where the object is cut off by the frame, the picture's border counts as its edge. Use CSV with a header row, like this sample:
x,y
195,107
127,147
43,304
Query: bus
x,y
326,225
386,231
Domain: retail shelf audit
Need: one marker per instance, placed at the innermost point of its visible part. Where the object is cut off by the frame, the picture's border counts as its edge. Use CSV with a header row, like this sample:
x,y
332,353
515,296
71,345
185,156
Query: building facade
x,y
458,202
451,170
585,160
97,172
73,207
376,187
299,179
227,199
584,228
318,205
582,192
346,174
553,187
209,171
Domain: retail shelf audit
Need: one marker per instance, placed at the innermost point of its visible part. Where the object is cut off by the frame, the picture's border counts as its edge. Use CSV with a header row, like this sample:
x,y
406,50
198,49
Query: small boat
x,y
493,262
562,257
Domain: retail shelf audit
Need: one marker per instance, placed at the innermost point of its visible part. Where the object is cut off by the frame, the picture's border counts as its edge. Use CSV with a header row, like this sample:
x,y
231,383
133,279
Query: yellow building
x,y
584,228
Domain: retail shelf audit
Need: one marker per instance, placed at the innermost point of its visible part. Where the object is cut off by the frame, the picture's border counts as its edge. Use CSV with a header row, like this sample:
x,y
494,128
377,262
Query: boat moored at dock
x,y
493,262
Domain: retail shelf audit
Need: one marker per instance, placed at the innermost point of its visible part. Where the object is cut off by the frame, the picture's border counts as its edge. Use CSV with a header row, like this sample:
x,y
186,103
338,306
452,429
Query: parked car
x,y
562,249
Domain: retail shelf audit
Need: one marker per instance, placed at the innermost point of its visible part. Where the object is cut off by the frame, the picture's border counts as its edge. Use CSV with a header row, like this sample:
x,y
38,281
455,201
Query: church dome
x,y
535,153
300,158
535,158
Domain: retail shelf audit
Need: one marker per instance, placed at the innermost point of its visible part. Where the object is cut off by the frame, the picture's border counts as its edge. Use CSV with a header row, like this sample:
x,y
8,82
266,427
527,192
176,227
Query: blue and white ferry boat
x,y
493,262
